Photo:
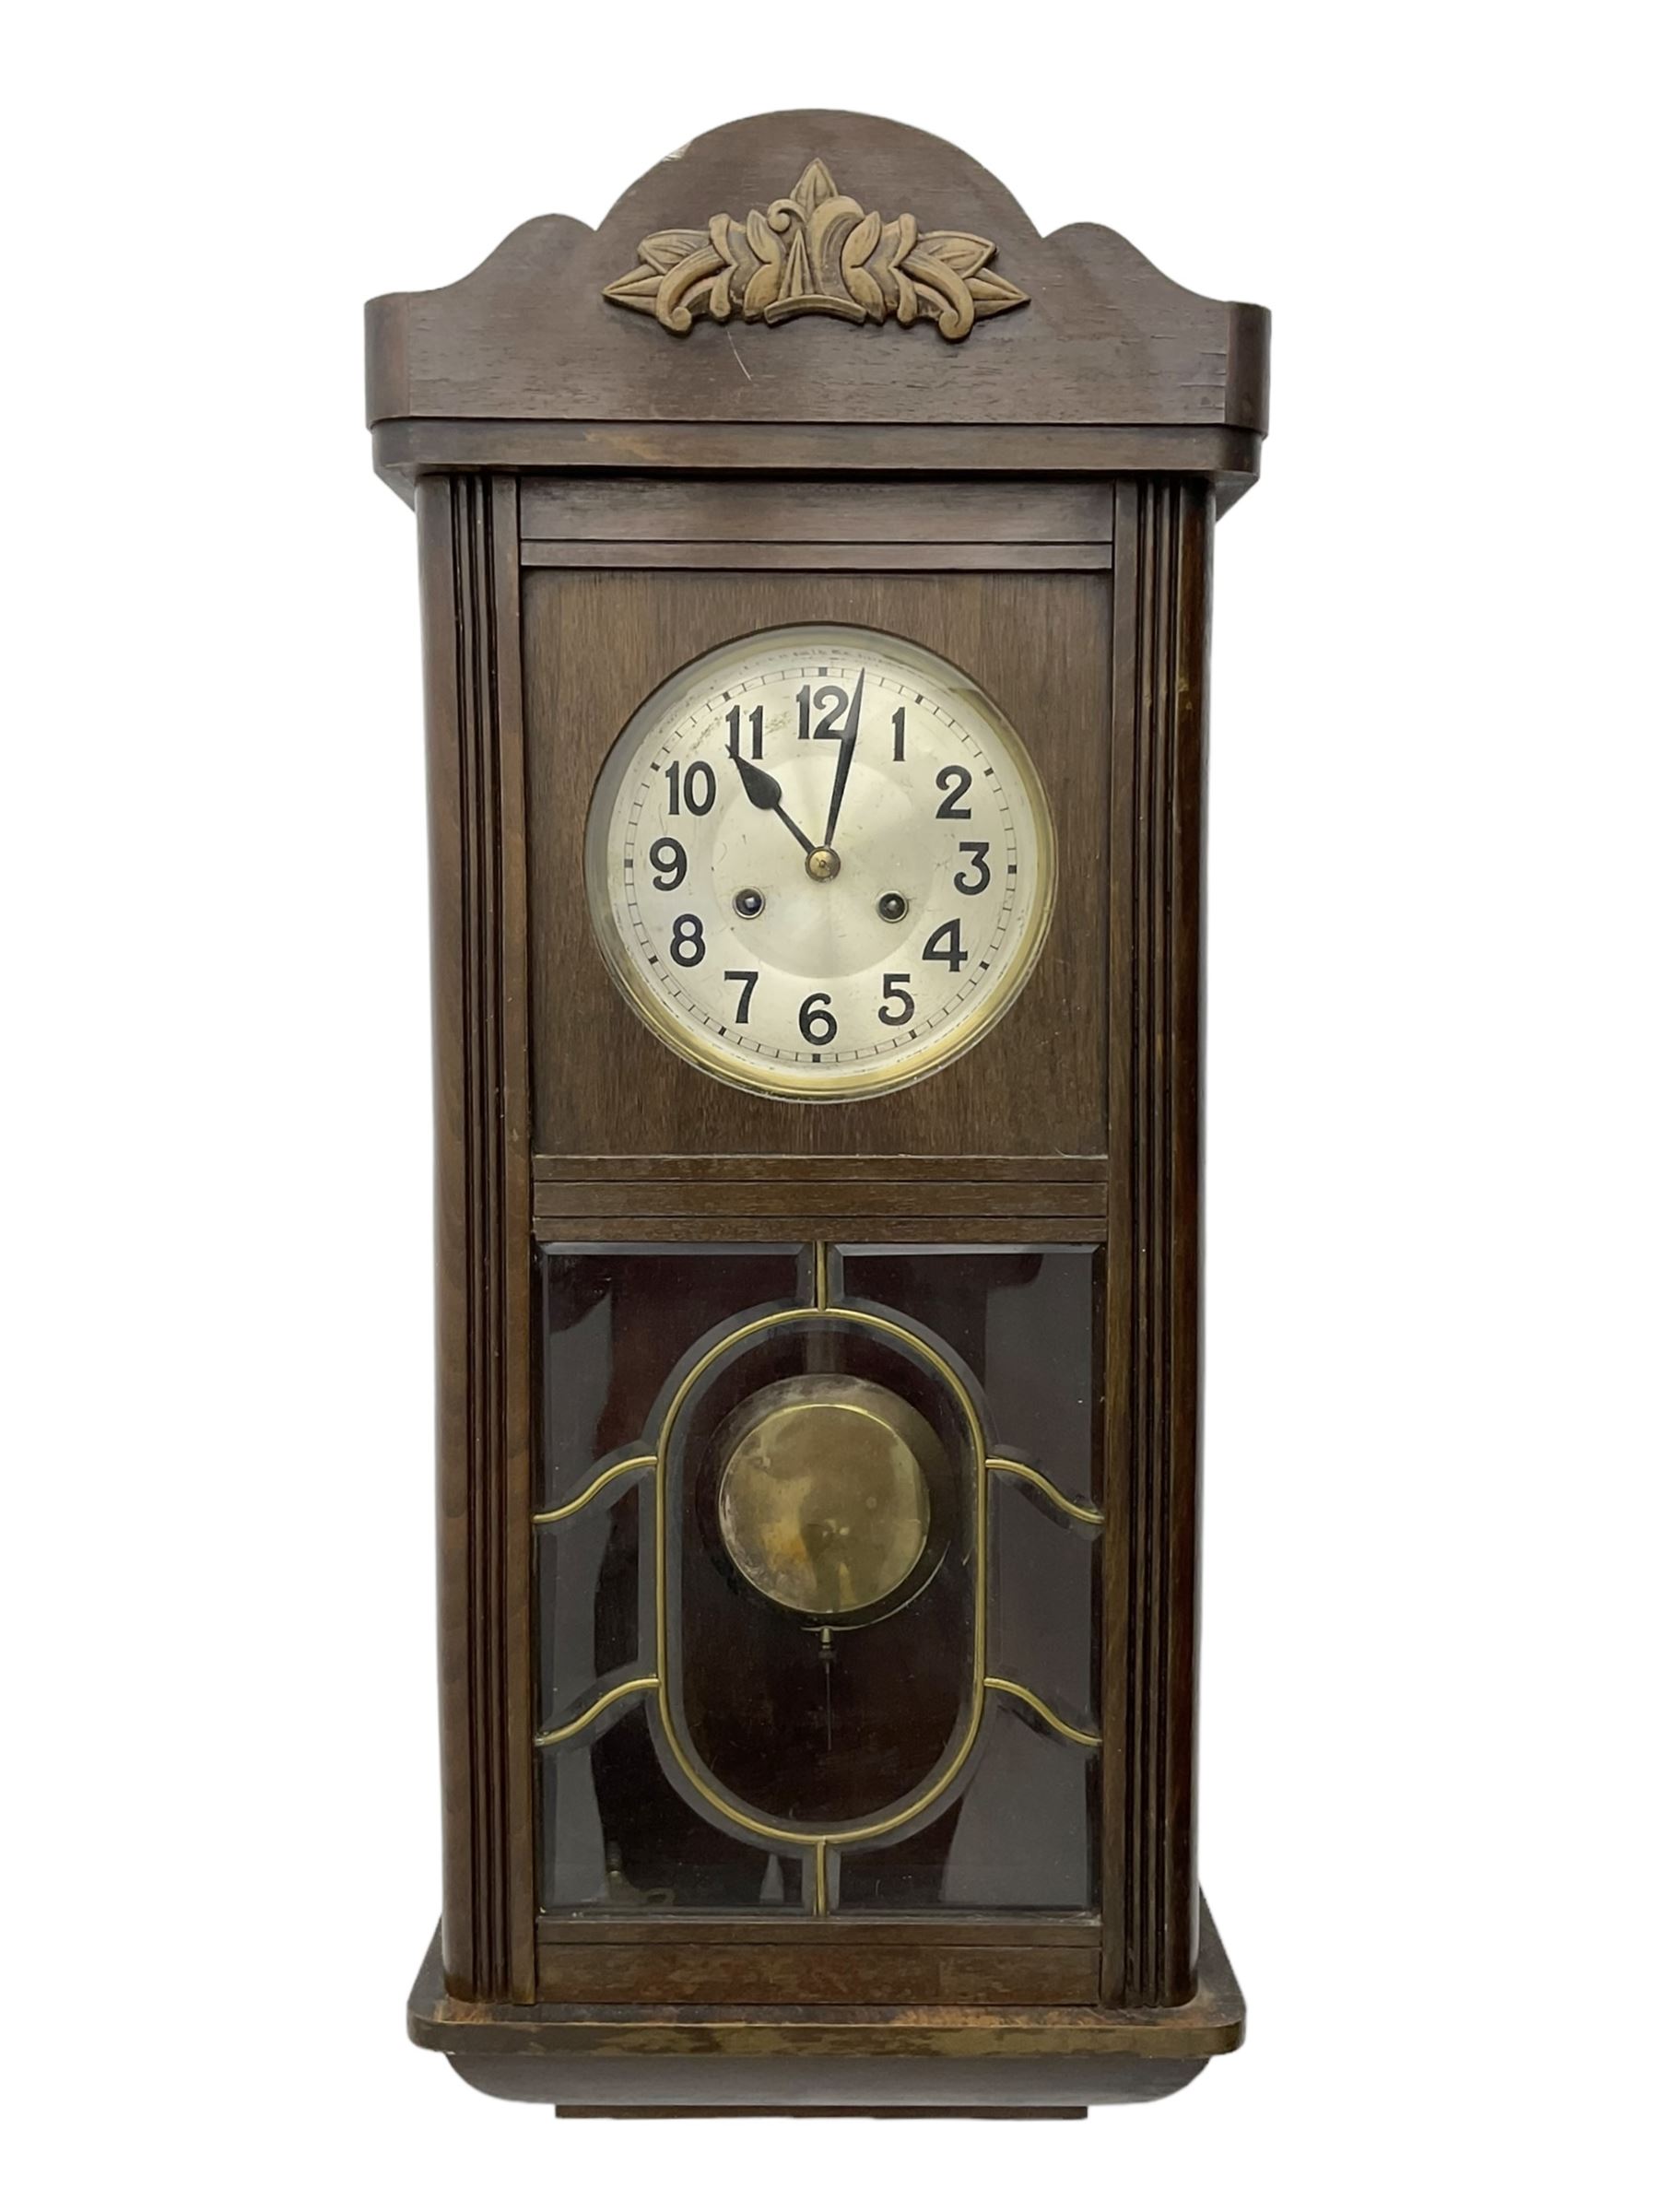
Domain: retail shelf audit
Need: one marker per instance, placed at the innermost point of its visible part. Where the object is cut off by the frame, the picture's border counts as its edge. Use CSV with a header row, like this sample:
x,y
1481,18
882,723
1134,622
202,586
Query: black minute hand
x,y
849,739
763,791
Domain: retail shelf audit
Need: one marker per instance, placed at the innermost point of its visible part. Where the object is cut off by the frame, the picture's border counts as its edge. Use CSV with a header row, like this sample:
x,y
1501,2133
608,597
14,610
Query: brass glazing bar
x,y
1044,1712
820,1276
867,1830
600,1482
1018,1471
584,1720
820,1876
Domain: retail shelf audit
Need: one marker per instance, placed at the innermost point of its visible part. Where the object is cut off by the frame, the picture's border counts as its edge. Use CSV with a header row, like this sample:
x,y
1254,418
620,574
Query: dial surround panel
x,y
796,943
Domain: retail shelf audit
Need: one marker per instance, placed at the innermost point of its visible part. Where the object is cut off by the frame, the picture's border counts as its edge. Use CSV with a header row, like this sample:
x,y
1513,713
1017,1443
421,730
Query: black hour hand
x,y
758,788
765,792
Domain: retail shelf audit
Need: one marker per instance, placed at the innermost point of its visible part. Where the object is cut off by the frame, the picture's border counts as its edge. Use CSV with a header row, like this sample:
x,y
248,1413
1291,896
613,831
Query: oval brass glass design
x,y
824,1492
813,1726
820,864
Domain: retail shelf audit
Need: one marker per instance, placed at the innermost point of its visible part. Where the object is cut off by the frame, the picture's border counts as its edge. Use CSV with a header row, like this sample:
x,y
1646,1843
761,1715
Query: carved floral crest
x,y
816,253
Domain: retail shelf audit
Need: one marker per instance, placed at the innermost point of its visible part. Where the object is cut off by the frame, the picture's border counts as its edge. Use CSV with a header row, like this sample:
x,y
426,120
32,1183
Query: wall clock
x,y
815,570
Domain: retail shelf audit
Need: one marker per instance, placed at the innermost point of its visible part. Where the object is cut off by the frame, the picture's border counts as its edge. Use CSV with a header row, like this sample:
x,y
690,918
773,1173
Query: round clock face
x,y
819,863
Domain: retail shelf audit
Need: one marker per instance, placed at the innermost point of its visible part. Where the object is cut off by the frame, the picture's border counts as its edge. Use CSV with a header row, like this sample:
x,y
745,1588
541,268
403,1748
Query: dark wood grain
x,y
1230,459
1212,2022
750,1168
597,644
669,1196
1069,1931
780,2057
1105,338
469,583
1153,1354
838,1228
887,1971
588,510
861,560
598,502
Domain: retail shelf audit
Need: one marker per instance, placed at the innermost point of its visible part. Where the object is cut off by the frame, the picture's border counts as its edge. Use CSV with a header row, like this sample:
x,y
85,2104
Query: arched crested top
x,y
802,268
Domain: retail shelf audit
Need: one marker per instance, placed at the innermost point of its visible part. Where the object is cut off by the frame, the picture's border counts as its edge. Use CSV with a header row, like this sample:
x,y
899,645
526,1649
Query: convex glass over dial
x,y
820,861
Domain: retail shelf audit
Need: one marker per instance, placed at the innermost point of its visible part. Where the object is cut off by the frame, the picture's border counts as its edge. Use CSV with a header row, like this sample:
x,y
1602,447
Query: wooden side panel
x,y
1154,1376
469,589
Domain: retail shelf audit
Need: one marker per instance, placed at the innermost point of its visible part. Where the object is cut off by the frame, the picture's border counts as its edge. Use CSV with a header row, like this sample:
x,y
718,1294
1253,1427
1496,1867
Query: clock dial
x,y
820,861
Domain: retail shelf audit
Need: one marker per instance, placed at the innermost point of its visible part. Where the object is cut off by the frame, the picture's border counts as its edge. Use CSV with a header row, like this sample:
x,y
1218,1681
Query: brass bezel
x,y
850,1084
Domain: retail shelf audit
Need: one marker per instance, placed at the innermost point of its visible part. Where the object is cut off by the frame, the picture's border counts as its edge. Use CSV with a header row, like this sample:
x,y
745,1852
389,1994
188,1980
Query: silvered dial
x,y
820,861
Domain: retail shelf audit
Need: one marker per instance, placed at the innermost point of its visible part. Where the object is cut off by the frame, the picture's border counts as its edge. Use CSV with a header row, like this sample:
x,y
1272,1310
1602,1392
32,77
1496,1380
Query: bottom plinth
x,y
931,2062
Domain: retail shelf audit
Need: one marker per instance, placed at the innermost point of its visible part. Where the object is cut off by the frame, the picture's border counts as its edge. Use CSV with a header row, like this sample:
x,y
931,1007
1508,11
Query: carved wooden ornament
x,y
817,252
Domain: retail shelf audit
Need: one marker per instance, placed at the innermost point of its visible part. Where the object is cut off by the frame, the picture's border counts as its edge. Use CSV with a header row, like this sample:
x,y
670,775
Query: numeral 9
x,y
668,859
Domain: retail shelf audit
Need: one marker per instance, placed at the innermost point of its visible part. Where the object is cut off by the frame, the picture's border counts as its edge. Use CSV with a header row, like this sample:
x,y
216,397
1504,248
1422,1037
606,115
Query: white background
x,y
1428,1831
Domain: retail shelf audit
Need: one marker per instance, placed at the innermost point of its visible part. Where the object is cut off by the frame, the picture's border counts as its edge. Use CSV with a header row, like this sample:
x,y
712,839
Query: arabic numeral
x,y
946,944
971,886
697,787
818,1024
953,781
735,731
686,946
668,861
830,697
904,1006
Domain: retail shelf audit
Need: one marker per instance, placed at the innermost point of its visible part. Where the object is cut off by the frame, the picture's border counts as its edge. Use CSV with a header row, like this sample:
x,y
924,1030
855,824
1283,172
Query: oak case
x,y
574,555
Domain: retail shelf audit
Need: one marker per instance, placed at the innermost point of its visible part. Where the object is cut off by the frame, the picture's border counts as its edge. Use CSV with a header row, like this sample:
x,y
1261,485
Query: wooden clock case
x,y
600,499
